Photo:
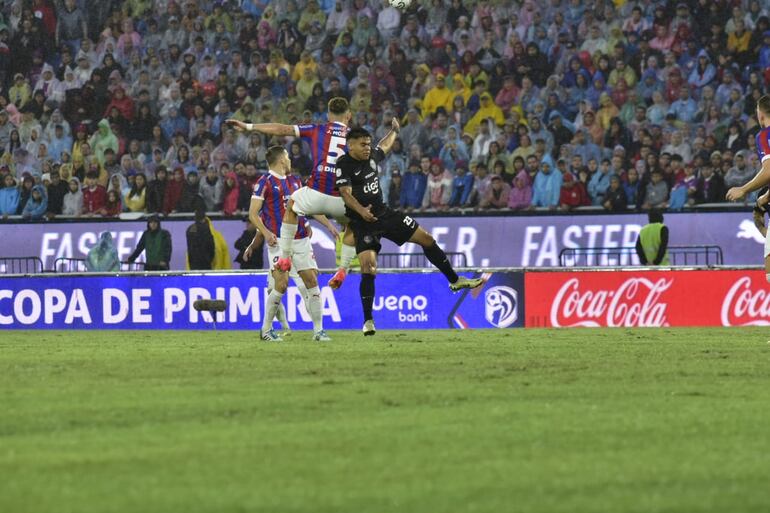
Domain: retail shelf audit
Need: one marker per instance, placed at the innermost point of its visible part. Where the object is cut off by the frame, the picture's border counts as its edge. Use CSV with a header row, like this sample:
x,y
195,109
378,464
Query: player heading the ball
x,y
319,197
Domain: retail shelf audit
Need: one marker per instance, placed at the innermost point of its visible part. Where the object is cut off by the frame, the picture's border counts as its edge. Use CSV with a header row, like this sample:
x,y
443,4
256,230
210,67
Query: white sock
x,y
348,253
288,231
314,308
271,309
281,315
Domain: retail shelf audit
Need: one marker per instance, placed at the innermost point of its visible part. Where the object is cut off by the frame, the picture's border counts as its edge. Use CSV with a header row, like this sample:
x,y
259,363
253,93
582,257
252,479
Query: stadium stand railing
x,y
69,265
692,255
132,266
78,265
416,260
21,265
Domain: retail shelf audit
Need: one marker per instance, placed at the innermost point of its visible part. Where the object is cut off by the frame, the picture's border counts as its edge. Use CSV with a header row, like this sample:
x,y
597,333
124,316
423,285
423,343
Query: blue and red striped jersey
x,y
275,190
327,143
763,144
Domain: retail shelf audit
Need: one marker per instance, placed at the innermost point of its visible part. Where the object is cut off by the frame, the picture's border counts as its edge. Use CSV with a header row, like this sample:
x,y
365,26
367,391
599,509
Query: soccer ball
x,y
400,4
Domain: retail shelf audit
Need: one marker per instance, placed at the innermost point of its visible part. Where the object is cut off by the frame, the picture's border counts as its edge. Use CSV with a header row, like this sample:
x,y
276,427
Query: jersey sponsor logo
x,y
372,188
500,306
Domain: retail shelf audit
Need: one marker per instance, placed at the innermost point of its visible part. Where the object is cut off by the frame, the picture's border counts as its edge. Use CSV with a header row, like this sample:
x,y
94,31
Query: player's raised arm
x,y
352,203
276,129
761,179
386,143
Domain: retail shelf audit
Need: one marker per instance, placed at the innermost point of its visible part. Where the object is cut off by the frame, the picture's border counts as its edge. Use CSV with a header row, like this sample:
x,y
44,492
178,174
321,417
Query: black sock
x,y
367,295
438,258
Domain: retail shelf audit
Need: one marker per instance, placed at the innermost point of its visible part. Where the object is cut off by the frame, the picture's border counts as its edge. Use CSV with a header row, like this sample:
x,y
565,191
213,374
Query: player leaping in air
x,y
370,219
319,196
761,179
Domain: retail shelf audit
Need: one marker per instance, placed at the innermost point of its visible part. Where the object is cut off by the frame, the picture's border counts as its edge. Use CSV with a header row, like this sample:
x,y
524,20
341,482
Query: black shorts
x,y
392,225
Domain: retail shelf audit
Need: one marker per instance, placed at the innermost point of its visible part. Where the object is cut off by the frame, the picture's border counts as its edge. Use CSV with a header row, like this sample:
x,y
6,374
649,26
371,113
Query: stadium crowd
x,y
119,106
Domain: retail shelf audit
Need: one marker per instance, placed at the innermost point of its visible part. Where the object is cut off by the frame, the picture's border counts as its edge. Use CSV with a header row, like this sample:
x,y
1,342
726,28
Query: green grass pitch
x,y
651,420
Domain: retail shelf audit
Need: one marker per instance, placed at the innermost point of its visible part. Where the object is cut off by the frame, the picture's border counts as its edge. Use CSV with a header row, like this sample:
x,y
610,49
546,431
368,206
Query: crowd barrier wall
x,y
151,301
496,241
511,298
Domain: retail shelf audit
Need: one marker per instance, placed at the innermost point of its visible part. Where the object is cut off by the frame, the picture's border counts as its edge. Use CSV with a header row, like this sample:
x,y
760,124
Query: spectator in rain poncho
x,y
9,197
104,256
547,187
73,201
103,139
37,205
520,196
454,149
488,110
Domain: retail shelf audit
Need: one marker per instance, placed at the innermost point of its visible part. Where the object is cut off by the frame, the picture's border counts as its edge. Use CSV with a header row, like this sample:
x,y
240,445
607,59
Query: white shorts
x,y
310,202
767,245
302,258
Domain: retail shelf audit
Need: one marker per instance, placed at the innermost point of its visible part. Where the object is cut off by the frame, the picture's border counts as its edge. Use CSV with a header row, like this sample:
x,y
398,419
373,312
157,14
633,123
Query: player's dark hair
x,y
273,154
764,104
338,106
358,133
655,216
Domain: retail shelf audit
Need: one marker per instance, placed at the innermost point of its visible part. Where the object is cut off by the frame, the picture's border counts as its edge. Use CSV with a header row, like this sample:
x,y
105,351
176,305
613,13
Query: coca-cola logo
x,y
745,307
636,302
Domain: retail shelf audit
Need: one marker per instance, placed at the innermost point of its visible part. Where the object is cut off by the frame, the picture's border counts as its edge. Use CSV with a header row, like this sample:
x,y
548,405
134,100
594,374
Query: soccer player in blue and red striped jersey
x,y
266,212
327,143
761,179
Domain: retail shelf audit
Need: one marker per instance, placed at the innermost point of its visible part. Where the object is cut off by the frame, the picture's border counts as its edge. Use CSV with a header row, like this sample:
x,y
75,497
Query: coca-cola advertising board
x,y
647,298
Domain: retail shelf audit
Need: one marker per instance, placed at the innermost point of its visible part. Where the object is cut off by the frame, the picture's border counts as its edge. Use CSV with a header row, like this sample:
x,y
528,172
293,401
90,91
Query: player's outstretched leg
x,y
368,261
438,258
348,254
286,240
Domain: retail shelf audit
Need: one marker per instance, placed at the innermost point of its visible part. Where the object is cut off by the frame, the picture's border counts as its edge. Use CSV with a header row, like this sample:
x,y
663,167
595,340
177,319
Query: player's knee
x,y
310,280
368,267
282,282
767,277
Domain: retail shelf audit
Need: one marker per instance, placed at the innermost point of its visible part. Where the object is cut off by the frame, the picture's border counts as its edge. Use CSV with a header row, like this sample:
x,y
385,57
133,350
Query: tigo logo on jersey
x,y
500,306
